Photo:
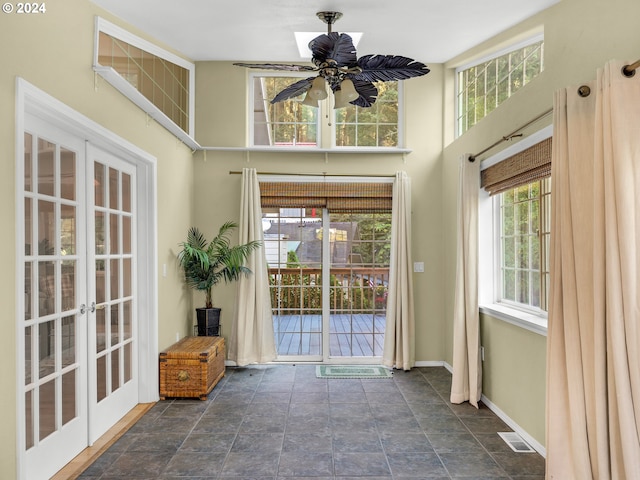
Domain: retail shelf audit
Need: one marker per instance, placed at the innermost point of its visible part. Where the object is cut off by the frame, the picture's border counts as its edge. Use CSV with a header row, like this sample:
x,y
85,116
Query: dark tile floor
x,y
281,422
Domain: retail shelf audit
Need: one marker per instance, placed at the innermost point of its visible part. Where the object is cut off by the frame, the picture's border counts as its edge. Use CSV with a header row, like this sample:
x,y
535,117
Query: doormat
x,y
352,371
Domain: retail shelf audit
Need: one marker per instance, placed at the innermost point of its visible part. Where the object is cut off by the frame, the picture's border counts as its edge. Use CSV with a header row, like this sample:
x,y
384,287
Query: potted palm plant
x,y
206,264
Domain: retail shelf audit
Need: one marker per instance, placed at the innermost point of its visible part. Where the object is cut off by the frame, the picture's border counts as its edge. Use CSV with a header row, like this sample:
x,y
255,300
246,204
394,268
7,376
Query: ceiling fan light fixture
x,y
352,79
339,100
318,89
310,101
348,90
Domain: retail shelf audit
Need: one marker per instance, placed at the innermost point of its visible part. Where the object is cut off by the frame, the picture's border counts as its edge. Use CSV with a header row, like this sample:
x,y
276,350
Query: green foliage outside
x,y
292,122
485,86
302,292
521,244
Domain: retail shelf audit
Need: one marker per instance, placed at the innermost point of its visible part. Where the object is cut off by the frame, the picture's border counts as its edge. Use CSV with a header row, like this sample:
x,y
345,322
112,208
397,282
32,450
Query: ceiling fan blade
x,y
386,68
294,90
367,90
278,66
336,46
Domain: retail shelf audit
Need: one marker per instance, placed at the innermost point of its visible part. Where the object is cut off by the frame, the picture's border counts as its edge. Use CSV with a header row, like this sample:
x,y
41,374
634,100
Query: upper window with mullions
x,y
483,86
294,123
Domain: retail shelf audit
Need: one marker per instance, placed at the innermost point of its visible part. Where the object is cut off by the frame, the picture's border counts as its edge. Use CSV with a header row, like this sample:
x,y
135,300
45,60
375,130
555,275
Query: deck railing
x,y
351,289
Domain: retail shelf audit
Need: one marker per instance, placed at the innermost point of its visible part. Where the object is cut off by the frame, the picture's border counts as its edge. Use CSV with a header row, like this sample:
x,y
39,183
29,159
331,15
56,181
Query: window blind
x,y
529,165
338,197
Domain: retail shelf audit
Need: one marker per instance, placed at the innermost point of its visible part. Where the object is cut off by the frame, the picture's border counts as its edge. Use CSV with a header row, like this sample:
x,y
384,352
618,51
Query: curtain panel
x,y
399,338
252,336
466,382
593,343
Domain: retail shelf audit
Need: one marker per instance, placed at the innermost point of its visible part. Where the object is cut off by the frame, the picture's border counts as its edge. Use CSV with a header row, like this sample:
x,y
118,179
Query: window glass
x,y
484,86
524,245
154,73
281,124
292,123
375,126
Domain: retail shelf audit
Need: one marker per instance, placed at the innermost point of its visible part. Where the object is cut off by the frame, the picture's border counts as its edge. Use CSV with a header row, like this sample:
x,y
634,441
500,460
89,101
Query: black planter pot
x,y
208,322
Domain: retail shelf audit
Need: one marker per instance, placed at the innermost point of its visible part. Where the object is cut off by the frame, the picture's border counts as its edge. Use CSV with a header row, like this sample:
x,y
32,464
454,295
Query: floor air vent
x,y
516,442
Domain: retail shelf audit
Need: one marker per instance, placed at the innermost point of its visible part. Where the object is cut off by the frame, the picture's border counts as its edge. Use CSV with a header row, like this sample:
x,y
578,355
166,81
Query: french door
x,y
76,320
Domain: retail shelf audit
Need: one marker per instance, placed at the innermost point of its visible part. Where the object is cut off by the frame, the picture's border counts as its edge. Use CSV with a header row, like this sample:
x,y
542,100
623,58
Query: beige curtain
x,y
593,362
252,338
399,337
466,382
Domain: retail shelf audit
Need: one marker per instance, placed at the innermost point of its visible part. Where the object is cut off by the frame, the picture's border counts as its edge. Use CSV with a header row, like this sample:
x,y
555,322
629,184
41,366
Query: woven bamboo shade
x,y
524,167
350,197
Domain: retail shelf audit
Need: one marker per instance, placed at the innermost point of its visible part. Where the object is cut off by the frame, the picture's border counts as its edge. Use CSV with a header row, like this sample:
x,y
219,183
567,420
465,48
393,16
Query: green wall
x,y
221,122
580,36
54,52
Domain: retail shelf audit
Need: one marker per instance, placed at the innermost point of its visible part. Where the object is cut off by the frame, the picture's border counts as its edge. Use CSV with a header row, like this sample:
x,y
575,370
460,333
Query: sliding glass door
x,y
329,279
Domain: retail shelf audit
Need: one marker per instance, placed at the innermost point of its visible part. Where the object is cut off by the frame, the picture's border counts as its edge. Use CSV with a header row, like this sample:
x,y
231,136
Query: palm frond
x,y
368,93
205,264
387,68
335,46
293,90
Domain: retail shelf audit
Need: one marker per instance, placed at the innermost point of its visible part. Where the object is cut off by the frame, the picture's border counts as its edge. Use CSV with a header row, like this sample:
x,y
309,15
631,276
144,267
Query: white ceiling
x,y
431,31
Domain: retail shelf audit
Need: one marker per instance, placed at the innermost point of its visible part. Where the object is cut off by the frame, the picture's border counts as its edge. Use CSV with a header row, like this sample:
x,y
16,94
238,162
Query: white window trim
x,y
538,37
533,320
118,82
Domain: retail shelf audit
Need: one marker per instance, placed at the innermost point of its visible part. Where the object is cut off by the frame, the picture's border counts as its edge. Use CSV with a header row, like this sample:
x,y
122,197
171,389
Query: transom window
x,y
525,224
483,86
293,124
165,80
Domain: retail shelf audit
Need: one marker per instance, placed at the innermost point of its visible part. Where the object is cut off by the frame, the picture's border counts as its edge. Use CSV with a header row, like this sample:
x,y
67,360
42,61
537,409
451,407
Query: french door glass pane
x,y
46,167
28,225
69,410
67,174
28,162
47,409
99,186
29,421
47,348
68,340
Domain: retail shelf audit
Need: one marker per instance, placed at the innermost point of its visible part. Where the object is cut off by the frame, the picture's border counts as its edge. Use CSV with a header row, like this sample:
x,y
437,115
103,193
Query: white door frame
x,y
32,100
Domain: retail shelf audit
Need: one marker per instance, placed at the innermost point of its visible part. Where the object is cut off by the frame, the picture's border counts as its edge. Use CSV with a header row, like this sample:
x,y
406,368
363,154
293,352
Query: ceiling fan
x,y
351,79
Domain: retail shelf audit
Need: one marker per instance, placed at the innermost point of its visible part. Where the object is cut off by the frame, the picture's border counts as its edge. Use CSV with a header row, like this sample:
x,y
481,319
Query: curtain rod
x,y
511,135
630,70
322,174
627,70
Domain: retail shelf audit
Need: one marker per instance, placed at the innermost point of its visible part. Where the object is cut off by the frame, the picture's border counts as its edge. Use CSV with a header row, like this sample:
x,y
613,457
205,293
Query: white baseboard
x,y
438,363
537,446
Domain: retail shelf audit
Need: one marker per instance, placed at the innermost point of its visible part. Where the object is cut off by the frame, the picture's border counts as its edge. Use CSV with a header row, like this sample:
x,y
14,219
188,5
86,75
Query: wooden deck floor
x,y
355,335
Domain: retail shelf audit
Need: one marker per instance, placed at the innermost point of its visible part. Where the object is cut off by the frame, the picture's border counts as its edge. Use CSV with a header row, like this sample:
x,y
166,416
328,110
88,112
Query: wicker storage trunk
x,y
191,367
